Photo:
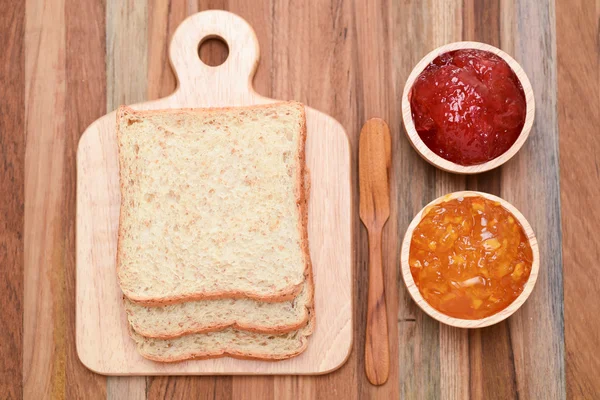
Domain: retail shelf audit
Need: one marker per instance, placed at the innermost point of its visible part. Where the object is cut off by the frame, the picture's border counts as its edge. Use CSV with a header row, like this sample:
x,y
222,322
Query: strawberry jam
x,y
468,106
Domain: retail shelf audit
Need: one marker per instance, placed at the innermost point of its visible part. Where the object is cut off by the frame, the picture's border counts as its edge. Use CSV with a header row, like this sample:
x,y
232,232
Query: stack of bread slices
x,y
213,255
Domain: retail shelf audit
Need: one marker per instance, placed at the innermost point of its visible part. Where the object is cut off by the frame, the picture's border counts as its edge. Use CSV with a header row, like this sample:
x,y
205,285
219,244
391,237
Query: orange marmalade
x,y
469,257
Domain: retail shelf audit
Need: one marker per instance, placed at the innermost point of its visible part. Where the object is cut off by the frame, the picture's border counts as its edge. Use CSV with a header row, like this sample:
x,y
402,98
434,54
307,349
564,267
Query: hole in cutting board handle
x,y
213,50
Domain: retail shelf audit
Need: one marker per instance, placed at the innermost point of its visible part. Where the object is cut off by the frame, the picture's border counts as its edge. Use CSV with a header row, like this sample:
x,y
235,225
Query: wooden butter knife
x,y
374,160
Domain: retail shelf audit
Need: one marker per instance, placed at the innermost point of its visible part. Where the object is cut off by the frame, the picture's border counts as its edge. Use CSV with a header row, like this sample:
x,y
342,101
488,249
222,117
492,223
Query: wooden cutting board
x,y
103,343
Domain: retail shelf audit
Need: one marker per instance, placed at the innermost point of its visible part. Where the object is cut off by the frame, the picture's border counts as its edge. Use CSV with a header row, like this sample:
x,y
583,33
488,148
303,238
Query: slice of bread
x,y
212,203
174,320
228,342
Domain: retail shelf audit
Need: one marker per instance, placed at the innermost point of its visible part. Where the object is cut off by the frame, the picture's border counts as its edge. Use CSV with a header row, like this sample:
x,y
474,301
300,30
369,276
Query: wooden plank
x,y
44,328
163,19
294,388
252,387
50,199
126,83
577,25
418,338
86,101
126,387
378,100
12,177
492,369
190,387
530,182
491,363
446,25
127,46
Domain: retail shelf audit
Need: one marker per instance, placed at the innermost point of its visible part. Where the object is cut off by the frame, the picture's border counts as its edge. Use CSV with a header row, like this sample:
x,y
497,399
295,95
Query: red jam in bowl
x,y
468,106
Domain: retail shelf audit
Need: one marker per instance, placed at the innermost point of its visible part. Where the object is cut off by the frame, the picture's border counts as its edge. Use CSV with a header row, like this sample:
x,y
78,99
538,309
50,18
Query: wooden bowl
x,y
425,151
469,323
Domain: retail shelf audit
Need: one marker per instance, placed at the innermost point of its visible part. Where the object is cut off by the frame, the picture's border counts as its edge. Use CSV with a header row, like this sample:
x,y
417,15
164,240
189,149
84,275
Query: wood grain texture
x,y
44,328
374,162
349,59
52,136
418,334
182,387
85,79
537,197
103,341
374,97
127,43
12,178
578,47
126,387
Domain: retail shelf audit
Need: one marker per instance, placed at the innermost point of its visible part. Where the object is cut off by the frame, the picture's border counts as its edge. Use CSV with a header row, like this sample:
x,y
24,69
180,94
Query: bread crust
x,y
230,353
279,296
301,202
277,329
309,329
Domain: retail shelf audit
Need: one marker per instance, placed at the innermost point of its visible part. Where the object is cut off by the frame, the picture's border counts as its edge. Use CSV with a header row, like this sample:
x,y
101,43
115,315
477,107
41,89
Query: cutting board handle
x,y
234,75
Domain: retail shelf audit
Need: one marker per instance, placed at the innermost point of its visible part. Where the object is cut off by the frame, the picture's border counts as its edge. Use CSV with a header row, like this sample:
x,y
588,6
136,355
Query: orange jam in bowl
x,y
469,257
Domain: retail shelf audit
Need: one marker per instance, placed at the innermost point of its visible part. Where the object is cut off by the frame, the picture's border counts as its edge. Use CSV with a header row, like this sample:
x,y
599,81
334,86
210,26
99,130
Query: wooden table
x,y
67,62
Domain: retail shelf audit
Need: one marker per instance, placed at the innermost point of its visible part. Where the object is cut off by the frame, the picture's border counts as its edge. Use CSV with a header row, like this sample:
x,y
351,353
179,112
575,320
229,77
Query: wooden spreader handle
x,y
377,348
374,160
